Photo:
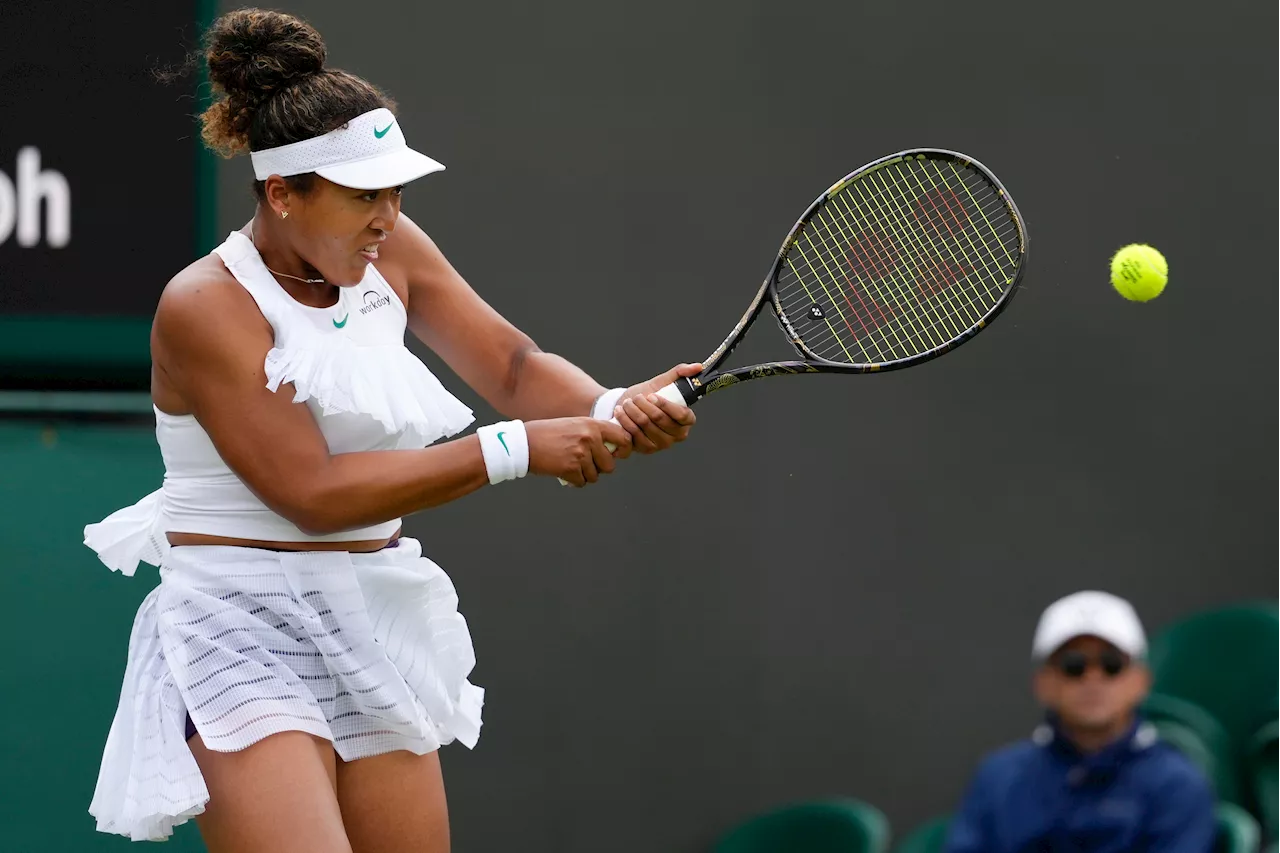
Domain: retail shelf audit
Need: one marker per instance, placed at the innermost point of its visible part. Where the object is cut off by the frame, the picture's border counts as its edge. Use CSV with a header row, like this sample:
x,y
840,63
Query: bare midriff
x,y
358,546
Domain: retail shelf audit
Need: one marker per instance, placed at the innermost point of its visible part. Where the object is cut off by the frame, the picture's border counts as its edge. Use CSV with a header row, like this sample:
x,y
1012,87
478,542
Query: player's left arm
x,y
502,364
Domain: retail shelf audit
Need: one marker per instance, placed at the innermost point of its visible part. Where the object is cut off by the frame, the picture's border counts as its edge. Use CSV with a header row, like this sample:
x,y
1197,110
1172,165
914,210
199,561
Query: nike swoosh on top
x,y
338,325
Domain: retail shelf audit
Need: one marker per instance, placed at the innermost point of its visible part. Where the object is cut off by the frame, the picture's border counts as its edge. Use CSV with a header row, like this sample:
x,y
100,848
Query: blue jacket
x,y
1137,795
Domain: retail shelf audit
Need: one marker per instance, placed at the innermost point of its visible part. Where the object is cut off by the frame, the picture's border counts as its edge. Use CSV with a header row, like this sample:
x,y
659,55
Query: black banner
x,y
100,171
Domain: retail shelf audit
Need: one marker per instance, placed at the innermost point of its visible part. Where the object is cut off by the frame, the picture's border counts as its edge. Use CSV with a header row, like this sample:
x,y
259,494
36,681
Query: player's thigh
x,y
394,803
277,796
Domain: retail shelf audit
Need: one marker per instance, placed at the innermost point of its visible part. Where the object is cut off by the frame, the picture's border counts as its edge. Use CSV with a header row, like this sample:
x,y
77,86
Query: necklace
x,y
254,241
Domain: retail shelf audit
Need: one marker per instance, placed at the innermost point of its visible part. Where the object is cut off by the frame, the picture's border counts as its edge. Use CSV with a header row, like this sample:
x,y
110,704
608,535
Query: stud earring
x,y
284,214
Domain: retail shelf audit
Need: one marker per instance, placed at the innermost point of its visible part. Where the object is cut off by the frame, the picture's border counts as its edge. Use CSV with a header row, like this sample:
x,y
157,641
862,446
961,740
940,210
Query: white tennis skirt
x,y
368,651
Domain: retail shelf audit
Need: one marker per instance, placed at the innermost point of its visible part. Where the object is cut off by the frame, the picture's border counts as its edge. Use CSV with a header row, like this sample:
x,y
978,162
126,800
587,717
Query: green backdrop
x,y
67,625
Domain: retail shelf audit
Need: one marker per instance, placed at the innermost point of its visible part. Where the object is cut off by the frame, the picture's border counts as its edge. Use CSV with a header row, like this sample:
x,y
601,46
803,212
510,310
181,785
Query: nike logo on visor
x,y
383,132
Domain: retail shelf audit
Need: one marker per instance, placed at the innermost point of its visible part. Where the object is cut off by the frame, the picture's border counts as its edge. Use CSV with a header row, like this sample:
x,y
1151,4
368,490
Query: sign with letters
x,y
101,179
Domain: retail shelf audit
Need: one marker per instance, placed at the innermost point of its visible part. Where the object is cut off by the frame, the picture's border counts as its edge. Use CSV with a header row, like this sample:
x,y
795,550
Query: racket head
x,y
897,263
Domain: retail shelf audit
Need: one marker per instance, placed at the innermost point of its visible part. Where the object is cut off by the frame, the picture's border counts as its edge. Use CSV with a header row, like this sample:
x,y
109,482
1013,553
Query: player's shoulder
x,y
203,289
205,299
407,250
407,236
203,280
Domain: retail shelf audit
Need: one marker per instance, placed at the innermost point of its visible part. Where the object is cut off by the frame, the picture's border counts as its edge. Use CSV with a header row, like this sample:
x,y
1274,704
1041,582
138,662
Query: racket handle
x,y
670,392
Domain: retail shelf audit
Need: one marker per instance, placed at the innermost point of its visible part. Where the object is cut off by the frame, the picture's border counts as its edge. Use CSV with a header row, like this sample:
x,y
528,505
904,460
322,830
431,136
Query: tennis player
x,y
292,676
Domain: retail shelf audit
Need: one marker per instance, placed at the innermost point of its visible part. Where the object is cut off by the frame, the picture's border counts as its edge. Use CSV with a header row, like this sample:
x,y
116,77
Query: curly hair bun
x,y
252,54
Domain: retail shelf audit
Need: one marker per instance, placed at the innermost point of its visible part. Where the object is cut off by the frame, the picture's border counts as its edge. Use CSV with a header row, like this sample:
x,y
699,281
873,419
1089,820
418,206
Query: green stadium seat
x,y
928,837
1227,661
1193,731
1266,789
824,826
1237,830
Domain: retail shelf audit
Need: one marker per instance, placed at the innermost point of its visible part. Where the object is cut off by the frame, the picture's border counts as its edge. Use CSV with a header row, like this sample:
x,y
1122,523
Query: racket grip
x,y
670,392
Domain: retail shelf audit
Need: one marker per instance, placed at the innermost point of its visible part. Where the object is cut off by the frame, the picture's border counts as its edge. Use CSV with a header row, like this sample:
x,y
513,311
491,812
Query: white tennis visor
x,y
367,153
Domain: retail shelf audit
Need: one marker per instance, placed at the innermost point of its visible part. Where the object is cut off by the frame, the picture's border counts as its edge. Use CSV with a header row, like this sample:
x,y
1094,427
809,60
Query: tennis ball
x,y
1139,272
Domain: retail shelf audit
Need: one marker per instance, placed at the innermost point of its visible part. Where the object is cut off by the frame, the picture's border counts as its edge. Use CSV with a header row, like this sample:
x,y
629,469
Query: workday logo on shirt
x,y
373,300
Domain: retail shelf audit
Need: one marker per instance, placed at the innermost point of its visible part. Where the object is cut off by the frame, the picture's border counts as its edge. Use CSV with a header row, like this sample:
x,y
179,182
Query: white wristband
x,y
505,446
603,408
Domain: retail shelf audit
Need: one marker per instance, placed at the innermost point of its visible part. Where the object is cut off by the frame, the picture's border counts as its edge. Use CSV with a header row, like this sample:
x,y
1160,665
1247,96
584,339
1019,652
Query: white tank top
x,y
347,363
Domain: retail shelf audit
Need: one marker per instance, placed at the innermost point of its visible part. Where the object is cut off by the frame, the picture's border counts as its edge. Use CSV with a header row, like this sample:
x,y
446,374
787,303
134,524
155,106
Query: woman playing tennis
x,y
292,676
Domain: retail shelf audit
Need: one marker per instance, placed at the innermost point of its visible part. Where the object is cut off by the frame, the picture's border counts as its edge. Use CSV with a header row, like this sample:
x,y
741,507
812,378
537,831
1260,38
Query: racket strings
x,y
845,213
936,327
899,261
876,258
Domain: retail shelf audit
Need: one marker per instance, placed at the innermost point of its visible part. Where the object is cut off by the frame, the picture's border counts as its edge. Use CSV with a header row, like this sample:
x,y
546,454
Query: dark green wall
x,y
65,625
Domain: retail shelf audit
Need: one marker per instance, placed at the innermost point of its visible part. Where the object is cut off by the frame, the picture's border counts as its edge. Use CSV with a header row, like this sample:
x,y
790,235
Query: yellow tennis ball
x,y
1139,273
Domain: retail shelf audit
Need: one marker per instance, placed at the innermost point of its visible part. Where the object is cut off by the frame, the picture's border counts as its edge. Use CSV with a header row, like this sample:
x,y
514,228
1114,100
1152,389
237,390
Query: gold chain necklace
x,y
254,241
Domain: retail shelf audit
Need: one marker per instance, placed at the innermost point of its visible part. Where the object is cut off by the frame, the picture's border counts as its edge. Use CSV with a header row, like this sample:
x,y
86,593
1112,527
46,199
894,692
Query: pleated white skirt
x,y
368,651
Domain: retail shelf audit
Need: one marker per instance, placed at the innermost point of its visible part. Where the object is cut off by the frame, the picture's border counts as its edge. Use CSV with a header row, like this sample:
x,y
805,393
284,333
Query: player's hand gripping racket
x,y
899,262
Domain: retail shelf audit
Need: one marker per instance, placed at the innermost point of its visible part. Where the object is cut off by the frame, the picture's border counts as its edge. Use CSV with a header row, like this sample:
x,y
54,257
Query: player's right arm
x,y
209,346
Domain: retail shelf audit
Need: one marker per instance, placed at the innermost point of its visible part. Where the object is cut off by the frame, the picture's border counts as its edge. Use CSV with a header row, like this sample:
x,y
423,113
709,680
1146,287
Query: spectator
x,y
1093,778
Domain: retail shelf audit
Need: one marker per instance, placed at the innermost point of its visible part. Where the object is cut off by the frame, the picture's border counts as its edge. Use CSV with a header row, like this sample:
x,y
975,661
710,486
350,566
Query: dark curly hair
x,y
271,86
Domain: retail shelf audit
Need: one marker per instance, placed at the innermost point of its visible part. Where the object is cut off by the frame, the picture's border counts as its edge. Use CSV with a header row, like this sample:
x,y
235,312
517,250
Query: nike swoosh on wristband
x,y
504,442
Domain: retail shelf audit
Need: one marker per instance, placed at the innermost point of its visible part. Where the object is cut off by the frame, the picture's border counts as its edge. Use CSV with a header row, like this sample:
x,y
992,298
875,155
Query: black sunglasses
x,y
1076,664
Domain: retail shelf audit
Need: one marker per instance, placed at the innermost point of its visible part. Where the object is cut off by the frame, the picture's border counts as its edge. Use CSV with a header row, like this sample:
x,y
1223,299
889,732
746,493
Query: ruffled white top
x,y
347,363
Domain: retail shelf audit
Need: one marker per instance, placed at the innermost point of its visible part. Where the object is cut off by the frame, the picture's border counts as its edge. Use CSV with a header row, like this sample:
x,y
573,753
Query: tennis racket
x,y
897,263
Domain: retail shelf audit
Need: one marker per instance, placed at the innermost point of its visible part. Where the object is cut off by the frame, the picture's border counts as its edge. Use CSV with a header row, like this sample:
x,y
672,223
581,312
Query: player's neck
x,y
298,278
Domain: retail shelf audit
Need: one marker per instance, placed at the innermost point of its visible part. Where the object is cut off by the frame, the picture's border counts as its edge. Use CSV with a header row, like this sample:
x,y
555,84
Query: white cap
x,y
1089,614
367,153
